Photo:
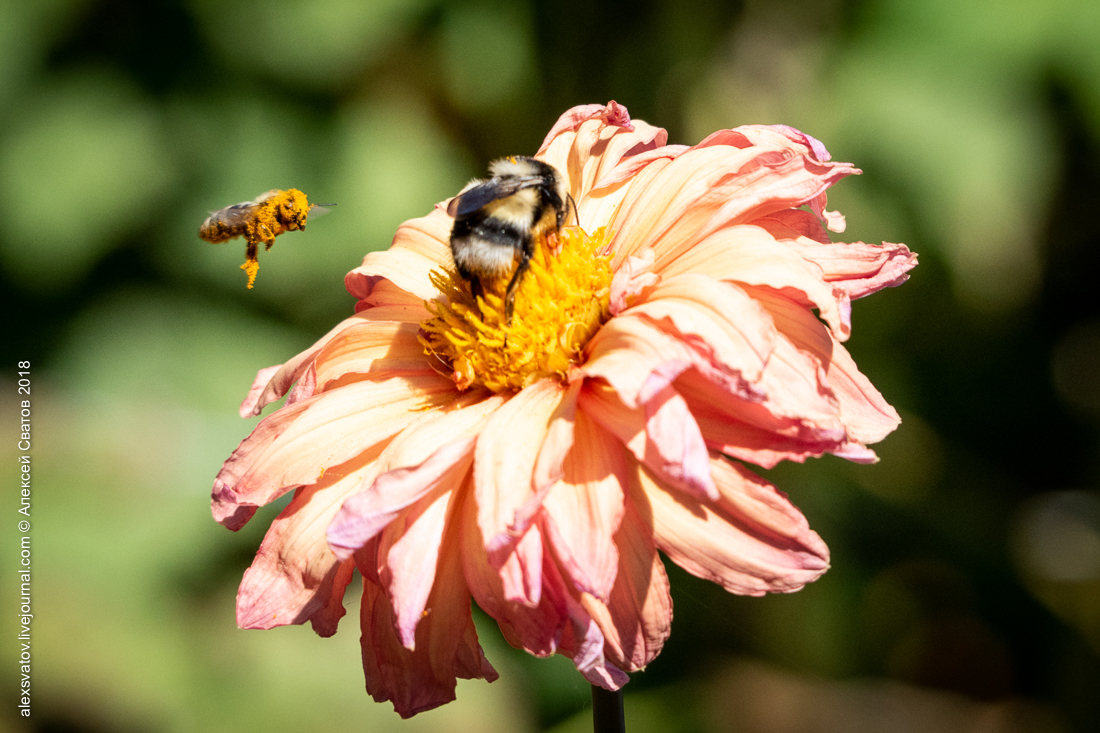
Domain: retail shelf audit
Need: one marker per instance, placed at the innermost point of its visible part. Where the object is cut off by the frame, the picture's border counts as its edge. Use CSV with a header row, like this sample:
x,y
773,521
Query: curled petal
x,y
859,269
633,279
662,434
271,383
752,541
717,320
582,639
375,350
588,142
637,618
445,645
295,576
867,416
295,445
582,511
412,544
532,430
420,245
431,456
750,255
535,629
713,185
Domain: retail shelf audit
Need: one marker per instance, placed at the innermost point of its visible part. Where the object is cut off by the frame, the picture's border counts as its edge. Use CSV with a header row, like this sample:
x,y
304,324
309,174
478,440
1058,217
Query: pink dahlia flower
x,y
660,342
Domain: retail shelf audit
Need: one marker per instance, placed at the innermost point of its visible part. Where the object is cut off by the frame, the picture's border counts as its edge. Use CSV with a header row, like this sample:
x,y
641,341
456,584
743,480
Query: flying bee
x,y
260,220
505,216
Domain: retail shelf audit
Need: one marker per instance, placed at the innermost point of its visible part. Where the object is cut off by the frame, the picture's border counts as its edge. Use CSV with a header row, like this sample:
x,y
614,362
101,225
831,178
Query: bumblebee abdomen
x,y
485,245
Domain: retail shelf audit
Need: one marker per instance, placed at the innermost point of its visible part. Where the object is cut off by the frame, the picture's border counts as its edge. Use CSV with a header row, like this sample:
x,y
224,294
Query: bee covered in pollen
x,y
260,220
504,217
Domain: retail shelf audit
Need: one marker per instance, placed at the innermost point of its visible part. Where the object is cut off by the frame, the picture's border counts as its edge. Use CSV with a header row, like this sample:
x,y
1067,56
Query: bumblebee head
x,y
293,209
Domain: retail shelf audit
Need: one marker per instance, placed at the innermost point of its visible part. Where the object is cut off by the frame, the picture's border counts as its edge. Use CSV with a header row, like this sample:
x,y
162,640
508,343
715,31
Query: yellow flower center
x,y
561,301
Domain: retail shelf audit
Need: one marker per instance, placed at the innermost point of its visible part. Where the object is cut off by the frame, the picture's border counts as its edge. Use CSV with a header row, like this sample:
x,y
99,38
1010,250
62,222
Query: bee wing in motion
x,y
485,193
319,209
233,216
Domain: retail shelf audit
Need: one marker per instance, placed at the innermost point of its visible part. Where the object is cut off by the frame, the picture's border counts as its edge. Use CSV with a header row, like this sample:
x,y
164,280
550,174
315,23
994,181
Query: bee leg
x,y
269,239
513,284
252,263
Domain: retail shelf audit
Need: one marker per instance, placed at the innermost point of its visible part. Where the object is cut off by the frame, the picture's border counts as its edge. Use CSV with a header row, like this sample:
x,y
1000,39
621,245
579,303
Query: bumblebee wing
x,y
235,215
319,209
492,190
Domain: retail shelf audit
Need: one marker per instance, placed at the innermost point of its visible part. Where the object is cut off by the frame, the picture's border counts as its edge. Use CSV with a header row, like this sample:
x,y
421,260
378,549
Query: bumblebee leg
x,y
251,263
268,239
513,284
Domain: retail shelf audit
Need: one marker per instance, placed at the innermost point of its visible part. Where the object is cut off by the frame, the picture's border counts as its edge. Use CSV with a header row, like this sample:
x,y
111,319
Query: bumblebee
x,y
503,217
260,220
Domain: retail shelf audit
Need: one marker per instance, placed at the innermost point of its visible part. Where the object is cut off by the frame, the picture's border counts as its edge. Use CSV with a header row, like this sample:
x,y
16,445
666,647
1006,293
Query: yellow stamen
x,y
560,303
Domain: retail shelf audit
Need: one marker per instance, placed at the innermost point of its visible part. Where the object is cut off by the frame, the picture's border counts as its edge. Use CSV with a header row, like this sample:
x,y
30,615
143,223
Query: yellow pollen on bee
x,y
560,303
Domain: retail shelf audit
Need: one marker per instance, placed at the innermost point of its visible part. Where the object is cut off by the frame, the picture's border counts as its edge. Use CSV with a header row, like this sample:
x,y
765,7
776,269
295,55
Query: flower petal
x,y
426,457
295,576
537,629
718,320
420,246
752,541
866,415
715,185
589,144
637,618
295,445
411,546
510,448
582,511
858,269
662,434
376,350
582,639
750,255
446,643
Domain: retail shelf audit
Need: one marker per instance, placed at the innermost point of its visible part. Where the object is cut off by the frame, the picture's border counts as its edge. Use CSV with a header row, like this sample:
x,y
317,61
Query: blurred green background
x,y
965,588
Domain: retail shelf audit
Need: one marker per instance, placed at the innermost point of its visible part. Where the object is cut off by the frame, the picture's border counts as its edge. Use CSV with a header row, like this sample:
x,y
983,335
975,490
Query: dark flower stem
x,y
607,711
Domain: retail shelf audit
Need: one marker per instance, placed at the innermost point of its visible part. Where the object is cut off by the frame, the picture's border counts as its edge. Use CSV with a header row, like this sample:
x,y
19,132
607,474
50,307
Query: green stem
x,y
607,711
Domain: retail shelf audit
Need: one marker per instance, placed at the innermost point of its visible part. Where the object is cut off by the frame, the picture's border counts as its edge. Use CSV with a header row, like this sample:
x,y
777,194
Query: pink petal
x,y
796,401
374,508
376,350
404,268
713,186
751,256
273,382
662,434
532,430
866,415
295,445
859,269
411,546
612,114
631,280
637,618
723,432
582,639
420,246
752,541
536,630
430,456
445,645
520,567
717,320
792,224
582,511
589,145
295,576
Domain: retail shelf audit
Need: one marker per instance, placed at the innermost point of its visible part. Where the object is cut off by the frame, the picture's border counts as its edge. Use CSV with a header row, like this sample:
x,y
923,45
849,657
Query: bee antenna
x,y
573,205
